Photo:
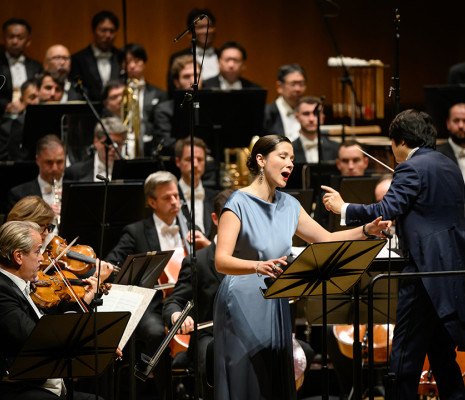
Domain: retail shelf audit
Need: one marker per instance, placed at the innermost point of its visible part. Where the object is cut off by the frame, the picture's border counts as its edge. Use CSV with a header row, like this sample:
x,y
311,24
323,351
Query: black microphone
x,y
199,18
102,178
76,83
386,233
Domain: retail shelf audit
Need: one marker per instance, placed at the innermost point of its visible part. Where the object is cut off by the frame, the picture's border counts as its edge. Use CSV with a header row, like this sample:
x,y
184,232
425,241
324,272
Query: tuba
x,y
130,115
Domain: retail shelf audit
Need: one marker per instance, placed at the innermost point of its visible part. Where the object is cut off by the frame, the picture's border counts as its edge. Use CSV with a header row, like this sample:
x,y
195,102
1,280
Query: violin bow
x,y
57,258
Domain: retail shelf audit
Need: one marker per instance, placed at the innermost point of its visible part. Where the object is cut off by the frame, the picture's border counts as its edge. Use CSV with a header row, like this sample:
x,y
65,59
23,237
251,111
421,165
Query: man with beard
x,y
455,146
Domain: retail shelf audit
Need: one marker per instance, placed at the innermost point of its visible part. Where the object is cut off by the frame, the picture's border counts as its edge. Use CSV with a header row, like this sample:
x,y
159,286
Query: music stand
x,y
227,118
143,269
141,168
322,269
438,99
63,346
80,216
73,123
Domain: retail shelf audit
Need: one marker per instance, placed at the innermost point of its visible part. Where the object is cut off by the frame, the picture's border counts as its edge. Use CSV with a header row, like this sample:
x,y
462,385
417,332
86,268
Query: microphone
x,y
386,233
199,18
76,83
102,178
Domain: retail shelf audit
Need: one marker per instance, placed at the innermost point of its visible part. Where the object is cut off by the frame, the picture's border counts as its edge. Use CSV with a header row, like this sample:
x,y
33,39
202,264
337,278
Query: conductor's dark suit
x,y
427,200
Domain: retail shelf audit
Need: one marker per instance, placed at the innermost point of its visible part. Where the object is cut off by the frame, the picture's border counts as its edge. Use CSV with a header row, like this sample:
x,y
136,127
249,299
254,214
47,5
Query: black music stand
x,y
324,269
81,217
141,168
63,346
143,269
72,122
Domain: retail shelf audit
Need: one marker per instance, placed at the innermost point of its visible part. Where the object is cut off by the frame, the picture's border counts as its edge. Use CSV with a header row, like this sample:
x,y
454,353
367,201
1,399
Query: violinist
x,y
20,256
427,199
158,232
35,209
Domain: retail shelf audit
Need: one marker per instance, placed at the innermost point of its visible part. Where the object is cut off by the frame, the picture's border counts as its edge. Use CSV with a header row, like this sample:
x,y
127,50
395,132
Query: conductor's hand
x,y
187,325
332,200
271,268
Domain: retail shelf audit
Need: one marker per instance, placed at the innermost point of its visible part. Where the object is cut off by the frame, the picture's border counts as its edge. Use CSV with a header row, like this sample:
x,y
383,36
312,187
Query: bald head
x,y
382,187
58,61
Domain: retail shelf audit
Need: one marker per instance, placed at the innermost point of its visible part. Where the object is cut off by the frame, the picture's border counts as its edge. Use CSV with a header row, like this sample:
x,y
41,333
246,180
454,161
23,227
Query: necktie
x,y
199,193
169,230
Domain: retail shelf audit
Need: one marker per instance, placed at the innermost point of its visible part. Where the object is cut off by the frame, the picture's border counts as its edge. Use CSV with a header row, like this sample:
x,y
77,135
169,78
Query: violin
x,y
49,290
77,260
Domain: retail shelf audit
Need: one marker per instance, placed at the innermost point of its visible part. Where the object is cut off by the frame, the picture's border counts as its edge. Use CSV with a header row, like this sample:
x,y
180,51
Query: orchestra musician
x,y
427,199
253,341
158,232
20,256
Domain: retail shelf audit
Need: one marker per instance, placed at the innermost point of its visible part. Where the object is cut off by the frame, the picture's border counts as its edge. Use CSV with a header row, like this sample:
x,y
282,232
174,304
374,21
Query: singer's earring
x,y
261,175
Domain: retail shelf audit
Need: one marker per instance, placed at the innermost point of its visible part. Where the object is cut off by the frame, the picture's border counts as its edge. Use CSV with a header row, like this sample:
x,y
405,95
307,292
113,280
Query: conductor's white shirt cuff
x,y
343,214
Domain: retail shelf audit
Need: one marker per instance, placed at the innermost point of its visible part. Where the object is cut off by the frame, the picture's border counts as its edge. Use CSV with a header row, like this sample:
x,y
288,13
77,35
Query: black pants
x,y
418,332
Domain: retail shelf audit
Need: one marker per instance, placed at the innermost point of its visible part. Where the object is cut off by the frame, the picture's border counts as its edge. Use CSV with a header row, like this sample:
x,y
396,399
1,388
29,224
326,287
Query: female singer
x,y
253,343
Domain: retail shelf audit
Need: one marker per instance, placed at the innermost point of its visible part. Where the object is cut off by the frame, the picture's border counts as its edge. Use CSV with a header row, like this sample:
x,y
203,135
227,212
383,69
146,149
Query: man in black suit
x,y
231,62
210,61
20,256
457,74
149,96
86,171
455,146
50,158
98,62
280,114
208,281
158,232
306,145
204,197
14,65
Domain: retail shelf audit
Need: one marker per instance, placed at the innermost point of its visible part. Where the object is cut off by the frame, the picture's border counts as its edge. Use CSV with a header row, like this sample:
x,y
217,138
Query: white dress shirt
x,y
55,385
49,192
459,155
199,193
310,148
103,63
225,85
168,235
99,168
290,124
210,62
18,73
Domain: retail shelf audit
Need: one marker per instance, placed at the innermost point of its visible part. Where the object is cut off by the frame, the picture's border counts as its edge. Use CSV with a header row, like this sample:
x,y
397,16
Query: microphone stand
x,y
346,79
193,109
396,78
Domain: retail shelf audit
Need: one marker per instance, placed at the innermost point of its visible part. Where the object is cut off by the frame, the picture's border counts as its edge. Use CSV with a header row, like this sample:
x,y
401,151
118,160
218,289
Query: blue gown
x,y
253,335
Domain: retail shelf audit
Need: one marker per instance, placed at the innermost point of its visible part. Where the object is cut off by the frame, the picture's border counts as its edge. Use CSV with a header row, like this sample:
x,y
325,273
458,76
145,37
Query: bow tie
x,y
199,193
461,154
20,60
310,145
27,289
48,188
169,230
102,55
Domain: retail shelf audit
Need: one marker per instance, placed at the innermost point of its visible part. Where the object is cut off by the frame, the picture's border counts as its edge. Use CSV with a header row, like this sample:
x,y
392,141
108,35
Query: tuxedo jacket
x,y
153,96
84,65
11,139
33,67
427,199
207,209
163,125
273,123
214,82
81,171
16,193
209,280
447,150
329,150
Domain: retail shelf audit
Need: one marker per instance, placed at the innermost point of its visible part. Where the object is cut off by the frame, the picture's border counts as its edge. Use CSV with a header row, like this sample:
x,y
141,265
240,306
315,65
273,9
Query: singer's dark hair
x,y
233,45
289,69
415,128
136,50
102,16
264,146
196,12
17,21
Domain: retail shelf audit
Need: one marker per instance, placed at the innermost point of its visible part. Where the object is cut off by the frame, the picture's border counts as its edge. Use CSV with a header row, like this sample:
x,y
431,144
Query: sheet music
x,y
134,299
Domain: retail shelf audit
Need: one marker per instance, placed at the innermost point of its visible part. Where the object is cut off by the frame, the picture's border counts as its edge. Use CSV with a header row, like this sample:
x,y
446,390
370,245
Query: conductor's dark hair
x,y
17,21
415,128
136,50
199,11
264,146
233,45
289,69
102,16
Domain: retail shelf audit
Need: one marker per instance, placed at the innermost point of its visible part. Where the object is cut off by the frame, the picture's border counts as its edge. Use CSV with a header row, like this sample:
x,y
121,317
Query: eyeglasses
x,y
49,228
60,58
